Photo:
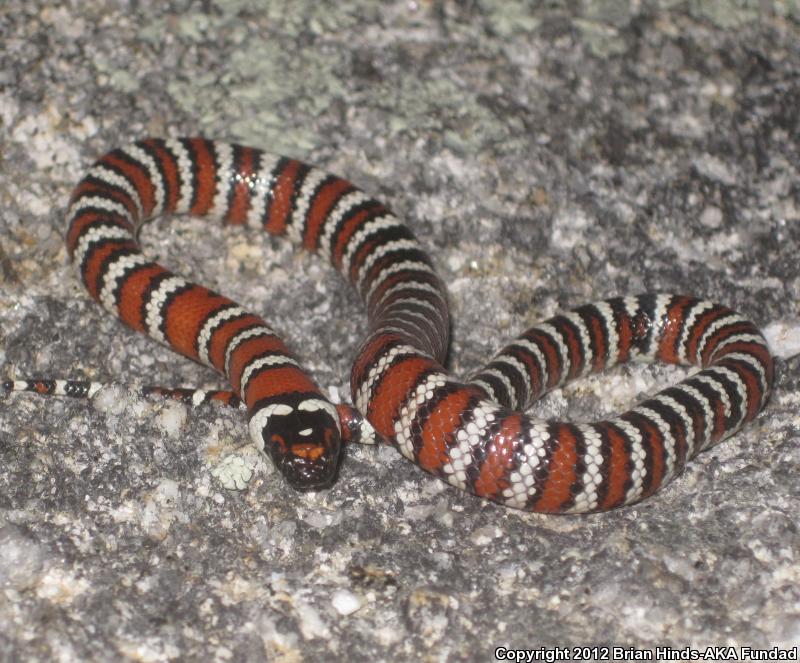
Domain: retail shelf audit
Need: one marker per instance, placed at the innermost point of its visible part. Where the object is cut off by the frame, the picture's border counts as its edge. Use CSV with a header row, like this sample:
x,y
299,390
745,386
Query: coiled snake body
x,y
473,435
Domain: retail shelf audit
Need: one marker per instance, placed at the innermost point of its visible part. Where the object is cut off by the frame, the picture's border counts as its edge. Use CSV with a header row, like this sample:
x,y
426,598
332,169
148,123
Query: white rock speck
x,y
172,418
111,399
345,602
783,337
711,217
21,558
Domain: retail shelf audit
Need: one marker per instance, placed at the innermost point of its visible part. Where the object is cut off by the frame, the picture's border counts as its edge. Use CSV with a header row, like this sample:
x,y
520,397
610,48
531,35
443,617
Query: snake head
x,y
303,438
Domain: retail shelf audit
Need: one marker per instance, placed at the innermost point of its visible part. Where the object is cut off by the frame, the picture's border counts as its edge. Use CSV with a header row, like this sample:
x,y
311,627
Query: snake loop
x,y
474,435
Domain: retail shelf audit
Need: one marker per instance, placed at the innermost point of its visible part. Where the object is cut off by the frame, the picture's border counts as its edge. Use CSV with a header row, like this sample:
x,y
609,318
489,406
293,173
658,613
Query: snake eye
x,y
279,442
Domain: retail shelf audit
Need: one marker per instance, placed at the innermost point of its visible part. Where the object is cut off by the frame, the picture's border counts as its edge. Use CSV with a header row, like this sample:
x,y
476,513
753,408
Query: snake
x,y
474,434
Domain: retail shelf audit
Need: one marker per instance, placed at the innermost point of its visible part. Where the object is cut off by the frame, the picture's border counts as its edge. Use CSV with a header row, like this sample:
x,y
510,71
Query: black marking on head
x,y
304,443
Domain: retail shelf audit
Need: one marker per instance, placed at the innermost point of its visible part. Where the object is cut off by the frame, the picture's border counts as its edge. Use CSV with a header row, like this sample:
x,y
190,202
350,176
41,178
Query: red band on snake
x,y
474,435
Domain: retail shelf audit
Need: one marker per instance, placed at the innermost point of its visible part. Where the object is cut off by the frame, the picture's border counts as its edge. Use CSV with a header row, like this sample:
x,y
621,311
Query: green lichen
x,y
726,13
608,12
440,107
258,80
118,79
312,16
788,8
509,17
602,39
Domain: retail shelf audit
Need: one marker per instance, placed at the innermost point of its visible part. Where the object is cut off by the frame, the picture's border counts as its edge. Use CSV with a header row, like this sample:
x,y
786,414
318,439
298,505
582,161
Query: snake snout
x,y
306,473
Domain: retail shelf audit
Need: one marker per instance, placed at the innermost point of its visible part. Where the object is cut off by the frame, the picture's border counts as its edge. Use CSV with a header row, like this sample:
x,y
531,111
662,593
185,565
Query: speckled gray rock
x,y
547,157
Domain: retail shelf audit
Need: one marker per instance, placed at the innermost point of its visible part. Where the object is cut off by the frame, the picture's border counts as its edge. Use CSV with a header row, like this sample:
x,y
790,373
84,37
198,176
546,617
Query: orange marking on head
x,y
561,473
308,450
499,459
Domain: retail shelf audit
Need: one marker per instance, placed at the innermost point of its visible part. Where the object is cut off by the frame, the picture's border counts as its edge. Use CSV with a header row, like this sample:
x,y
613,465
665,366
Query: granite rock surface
x,y
548,154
